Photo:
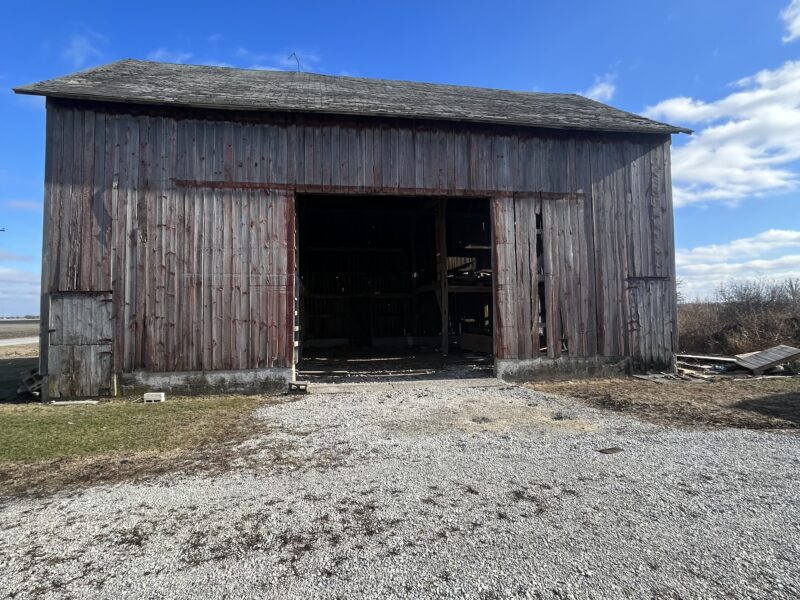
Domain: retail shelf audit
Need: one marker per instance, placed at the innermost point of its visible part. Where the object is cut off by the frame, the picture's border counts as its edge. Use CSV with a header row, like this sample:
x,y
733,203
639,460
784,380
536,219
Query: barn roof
x,y
144,82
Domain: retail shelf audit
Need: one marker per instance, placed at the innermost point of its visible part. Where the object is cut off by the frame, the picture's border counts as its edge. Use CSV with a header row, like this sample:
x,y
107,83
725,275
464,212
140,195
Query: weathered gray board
x,y
80,357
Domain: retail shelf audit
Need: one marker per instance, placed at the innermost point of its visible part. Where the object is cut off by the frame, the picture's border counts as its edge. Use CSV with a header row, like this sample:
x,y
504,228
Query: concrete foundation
x,y
560,368
194,383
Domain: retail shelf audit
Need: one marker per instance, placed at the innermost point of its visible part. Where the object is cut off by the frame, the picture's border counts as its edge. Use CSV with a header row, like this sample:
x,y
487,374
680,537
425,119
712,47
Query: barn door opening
x,y
80,361
394,287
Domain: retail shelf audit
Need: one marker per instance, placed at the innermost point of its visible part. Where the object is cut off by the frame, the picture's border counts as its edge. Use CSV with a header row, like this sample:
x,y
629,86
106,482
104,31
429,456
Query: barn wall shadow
x,y
784,406
11,370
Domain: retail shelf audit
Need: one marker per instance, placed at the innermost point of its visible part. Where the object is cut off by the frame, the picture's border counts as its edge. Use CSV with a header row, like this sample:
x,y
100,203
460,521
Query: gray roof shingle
x,y
144,82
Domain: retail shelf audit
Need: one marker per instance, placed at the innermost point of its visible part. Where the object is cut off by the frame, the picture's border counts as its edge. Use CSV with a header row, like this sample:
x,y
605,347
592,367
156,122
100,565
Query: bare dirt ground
x,y
768,403
19,351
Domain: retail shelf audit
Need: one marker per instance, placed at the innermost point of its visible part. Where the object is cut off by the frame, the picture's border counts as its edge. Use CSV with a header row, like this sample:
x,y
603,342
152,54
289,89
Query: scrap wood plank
x,y
726,359
689,366
758,362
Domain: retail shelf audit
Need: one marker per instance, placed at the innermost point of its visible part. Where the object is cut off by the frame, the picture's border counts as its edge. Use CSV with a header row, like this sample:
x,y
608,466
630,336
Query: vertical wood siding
x,y
190,223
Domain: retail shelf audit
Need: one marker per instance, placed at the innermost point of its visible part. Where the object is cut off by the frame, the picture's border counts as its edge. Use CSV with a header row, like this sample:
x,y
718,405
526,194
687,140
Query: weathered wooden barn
x,y
204,227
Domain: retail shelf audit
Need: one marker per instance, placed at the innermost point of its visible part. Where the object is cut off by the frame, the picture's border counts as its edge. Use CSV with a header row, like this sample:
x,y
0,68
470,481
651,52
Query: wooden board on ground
x,y
758,362
707,358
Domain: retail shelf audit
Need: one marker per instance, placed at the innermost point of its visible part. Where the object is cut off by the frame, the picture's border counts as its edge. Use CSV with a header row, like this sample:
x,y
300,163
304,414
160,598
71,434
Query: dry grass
x,y
771,403
47,447
19,351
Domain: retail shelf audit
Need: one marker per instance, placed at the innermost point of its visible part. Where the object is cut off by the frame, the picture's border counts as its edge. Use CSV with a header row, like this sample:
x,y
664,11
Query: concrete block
x,y
154,397
298,387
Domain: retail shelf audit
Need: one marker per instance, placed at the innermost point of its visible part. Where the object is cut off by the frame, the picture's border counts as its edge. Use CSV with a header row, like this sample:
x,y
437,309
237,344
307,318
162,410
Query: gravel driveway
x,y
488,492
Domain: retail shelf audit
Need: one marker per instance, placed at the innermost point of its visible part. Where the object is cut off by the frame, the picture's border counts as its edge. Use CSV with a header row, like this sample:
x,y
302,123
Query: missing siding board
x,y
540,285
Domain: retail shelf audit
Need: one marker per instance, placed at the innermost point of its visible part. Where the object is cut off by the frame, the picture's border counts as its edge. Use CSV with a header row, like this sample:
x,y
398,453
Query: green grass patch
x,y
36,432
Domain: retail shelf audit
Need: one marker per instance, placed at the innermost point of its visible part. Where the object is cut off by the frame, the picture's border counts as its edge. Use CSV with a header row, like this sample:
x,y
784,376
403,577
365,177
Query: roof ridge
x,y
343,77
136,81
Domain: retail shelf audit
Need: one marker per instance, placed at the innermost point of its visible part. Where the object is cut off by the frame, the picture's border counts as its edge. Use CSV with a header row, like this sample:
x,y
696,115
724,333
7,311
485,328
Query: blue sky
x,y
730,69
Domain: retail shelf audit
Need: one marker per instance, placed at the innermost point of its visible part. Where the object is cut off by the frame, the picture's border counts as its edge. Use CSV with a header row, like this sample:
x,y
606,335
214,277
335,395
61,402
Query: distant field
x,y
18,328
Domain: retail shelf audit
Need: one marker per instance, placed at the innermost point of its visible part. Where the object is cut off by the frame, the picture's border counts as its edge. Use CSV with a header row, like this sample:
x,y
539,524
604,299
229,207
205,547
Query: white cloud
x,y
30,205
169,56
84,48
749,247
747,140
8,255
603,88
309,61
264,67
702,269
215,63
19,292
700,281
791,19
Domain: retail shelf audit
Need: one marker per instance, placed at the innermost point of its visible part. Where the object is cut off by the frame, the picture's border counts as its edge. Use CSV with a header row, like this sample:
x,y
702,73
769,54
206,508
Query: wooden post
x,y
441,252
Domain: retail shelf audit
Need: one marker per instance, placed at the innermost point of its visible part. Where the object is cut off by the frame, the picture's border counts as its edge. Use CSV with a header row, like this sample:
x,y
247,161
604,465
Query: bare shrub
x,y
744,316
698,326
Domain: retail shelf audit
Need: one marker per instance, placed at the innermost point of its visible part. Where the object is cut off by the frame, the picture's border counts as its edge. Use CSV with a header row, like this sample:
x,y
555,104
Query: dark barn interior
x,y
371,283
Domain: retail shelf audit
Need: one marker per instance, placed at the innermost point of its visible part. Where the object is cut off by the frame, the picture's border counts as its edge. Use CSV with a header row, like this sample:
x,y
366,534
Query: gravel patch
x,y
433,492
